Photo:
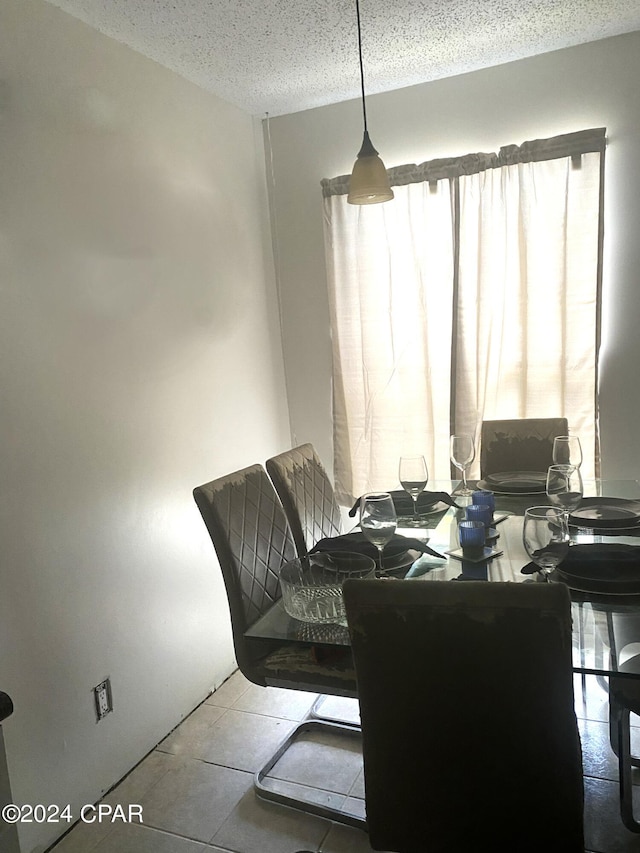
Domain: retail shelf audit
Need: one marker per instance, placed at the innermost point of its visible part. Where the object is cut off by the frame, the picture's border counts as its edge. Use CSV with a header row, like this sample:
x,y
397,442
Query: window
x,y
475,294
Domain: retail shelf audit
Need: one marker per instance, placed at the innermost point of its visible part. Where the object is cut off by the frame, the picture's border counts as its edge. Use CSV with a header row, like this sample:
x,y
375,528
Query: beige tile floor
x,y
196,787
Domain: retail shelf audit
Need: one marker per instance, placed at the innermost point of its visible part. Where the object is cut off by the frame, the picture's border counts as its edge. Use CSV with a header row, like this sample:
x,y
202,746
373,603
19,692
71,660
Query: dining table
x,y
605,620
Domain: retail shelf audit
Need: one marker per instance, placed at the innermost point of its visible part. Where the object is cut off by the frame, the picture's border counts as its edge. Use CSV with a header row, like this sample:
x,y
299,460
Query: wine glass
x,y
378,519
414,476
545,536
564,489
463,452
567,450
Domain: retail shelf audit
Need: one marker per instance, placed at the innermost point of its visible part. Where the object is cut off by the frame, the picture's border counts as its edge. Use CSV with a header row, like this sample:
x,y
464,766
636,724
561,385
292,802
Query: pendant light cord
x,y
369,182
364,109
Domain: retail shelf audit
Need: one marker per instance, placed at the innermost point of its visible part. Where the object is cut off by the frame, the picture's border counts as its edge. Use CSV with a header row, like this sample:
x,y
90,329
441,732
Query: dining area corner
x,y
474,560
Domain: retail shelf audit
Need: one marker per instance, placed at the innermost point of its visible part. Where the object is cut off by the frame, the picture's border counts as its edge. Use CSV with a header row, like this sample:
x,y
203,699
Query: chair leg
x,y
328,812
316,714
620,731
613,735
600,655
614,712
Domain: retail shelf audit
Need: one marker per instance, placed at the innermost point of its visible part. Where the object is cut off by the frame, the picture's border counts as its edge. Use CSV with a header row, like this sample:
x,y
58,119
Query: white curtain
x,y
528,296
391,286
473,295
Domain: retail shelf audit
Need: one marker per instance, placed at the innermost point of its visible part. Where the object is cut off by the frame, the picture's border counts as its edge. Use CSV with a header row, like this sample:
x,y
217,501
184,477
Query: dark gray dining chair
x,y
309,503
253,541
623,635
523,444
307,496
470,739
624,699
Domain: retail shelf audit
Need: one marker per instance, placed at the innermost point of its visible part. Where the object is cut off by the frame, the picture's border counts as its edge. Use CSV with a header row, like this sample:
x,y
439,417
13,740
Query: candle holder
x,y
471,535
484,496
480,512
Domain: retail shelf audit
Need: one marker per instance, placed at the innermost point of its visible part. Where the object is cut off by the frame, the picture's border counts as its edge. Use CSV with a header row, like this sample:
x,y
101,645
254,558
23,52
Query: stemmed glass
x,y
378,519
567,450
564,489
414,476
545,536
463,452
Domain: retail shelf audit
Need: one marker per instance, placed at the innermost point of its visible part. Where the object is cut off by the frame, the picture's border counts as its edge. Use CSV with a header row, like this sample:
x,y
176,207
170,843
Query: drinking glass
x,y
567,450
564,489
413,479
545,536
378,519
463,452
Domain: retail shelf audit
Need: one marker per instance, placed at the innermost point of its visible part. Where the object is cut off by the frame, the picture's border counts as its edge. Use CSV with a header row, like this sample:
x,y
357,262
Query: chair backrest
x,y
252,540
524,444
307,496
470,738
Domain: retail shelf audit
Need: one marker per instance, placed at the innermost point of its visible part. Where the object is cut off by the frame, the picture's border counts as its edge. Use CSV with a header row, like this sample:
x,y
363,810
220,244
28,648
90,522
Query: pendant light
x,y
369,183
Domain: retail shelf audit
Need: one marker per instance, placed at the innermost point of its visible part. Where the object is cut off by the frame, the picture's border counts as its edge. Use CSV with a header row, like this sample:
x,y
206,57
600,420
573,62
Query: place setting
x,y
377,538
605,568
312,585
508,484
414,506
564,540
603,515
381,514
566,451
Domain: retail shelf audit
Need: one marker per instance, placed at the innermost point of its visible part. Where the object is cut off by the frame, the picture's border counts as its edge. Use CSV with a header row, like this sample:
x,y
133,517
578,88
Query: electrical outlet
x,y
103,700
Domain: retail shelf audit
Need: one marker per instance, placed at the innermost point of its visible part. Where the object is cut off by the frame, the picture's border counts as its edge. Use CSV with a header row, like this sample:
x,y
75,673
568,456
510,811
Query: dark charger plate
x,y
515,482
608,569
606,513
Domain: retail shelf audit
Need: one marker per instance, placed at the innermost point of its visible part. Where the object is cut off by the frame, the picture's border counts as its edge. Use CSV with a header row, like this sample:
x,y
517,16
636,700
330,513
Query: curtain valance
x,y
565,145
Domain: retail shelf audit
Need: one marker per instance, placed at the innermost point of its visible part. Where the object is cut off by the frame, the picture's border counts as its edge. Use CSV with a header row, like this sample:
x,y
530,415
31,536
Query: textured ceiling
x,y
282,56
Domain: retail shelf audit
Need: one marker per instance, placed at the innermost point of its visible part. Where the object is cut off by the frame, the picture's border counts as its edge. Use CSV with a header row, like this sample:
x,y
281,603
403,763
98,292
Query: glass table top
x,y
605,627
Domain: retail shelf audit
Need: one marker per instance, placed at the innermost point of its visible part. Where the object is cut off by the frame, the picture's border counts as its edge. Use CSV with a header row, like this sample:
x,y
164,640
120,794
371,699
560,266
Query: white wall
x,y
594,85
140,356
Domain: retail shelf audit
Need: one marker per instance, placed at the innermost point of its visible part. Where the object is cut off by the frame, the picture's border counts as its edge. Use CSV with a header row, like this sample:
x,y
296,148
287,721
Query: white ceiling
x,y
282,56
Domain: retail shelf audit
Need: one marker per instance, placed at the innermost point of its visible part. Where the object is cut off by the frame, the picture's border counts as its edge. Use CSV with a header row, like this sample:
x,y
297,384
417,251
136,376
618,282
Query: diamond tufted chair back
x,y
307,496
252,540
